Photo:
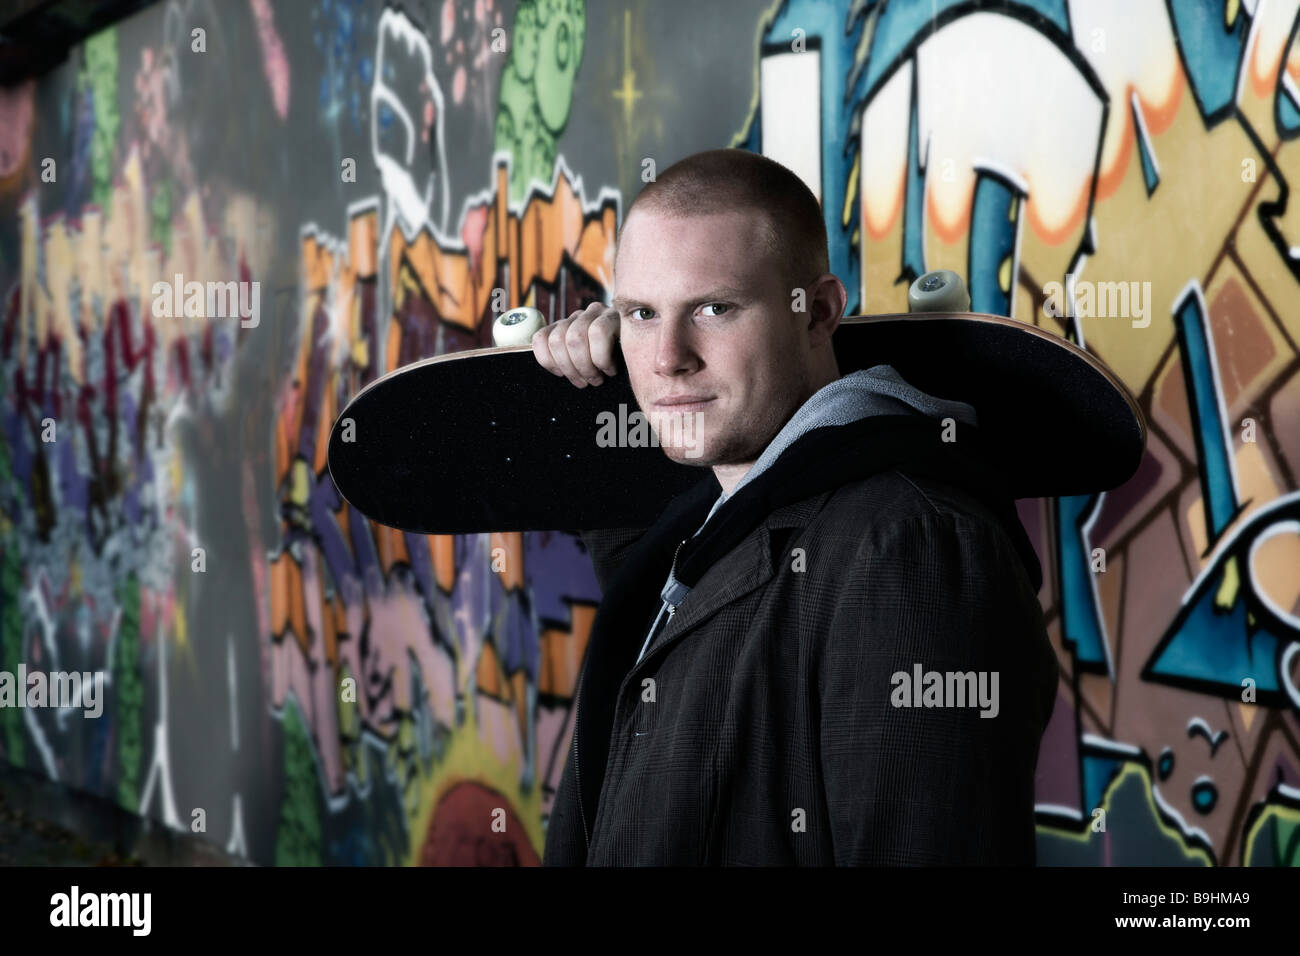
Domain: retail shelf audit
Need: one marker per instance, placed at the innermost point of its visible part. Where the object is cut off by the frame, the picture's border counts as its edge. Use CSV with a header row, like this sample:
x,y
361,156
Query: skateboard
x,y
489,440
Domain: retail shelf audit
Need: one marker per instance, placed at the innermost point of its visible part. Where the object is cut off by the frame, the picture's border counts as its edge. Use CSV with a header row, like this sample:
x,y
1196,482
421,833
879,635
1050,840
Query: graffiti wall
x,y
219,221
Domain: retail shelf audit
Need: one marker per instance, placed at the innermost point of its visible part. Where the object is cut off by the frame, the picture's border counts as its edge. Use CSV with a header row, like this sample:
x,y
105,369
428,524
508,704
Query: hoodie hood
x,y
878,390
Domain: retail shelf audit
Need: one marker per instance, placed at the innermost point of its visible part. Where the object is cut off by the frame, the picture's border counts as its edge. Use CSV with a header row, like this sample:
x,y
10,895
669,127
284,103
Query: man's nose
x,y
674,352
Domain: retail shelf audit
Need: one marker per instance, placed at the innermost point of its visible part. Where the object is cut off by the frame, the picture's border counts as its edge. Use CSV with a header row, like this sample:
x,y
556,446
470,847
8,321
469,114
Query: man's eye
x,y
717,305
639,308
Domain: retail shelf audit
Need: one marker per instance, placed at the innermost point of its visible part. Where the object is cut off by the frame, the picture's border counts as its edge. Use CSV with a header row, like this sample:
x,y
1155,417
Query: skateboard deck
x,y
489,440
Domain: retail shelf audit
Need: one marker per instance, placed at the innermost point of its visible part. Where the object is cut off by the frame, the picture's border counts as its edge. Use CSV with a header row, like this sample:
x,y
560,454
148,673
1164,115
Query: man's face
x,y
705,313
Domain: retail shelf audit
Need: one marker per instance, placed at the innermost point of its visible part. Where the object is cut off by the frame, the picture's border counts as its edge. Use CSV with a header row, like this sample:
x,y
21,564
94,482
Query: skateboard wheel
x,y
516,327
938,291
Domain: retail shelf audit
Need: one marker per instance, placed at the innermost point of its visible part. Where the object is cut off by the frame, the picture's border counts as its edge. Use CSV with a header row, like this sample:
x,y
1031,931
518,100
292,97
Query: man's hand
x,y
580,347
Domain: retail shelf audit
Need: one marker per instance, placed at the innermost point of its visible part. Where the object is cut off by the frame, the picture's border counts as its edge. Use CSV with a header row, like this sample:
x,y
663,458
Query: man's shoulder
x,y
871,518
891,497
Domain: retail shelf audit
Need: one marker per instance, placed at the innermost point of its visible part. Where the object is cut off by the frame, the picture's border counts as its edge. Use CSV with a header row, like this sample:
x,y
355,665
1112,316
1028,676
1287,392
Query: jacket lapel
x,y
748,566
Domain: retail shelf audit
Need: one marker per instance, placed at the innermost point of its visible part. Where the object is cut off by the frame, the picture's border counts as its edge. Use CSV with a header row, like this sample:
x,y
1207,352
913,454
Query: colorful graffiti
x,y
316,688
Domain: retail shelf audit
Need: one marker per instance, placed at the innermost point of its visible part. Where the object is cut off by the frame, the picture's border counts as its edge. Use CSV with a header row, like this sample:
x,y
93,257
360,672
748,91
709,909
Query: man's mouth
x,y
684,403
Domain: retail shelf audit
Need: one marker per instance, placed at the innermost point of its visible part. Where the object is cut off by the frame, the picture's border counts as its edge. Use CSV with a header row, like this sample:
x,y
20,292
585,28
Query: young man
x,y
758,686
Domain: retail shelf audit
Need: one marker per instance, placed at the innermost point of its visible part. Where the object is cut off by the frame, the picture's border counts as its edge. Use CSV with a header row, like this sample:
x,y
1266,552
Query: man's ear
x,y
827,299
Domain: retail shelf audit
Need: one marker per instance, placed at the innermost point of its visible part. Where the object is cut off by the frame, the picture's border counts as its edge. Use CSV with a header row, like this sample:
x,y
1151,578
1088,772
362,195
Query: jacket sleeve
x,y
933,783
566,835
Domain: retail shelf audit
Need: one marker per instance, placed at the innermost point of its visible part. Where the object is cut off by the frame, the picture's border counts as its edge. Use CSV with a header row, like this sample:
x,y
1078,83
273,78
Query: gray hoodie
x,y
878,390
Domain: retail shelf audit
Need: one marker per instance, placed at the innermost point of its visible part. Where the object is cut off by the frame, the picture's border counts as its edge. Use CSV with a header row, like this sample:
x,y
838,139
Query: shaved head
x,y
729,180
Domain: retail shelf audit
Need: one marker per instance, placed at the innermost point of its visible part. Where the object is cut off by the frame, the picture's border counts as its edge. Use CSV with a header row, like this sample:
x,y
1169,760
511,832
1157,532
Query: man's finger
x,y
603,337
542,350
579,348
558,343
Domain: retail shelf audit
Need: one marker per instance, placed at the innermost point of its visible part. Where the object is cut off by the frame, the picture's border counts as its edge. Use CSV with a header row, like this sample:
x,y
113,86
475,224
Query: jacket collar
x,y
742,569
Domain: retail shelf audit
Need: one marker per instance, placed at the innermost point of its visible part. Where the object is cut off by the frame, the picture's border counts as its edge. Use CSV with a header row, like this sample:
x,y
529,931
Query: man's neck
x,y
731,474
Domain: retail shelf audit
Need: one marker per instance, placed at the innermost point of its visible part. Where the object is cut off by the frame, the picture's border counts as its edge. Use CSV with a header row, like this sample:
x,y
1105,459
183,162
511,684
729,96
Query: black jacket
x,y
761,726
